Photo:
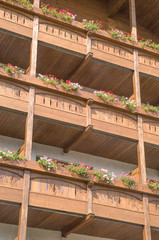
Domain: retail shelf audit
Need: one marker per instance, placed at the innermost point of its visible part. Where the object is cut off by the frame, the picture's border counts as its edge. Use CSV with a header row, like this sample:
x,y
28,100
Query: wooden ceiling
x,y
147,14
50,220
152,157
12,124
9,213
149,90
14,50
110,229
155,234
60,63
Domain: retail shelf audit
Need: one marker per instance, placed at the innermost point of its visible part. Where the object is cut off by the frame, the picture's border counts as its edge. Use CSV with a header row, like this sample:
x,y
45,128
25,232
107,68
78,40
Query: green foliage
x,y
79,169
119,34
153,184
8,155
102,175
107,97
9,68
68,85
49,79
129,104
128,181
149,43
150,108
91,25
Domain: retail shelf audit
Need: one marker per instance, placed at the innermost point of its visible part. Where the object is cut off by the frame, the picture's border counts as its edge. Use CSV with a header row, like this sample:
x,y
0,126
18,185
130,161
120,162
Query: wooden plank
x,y
114,7
24,207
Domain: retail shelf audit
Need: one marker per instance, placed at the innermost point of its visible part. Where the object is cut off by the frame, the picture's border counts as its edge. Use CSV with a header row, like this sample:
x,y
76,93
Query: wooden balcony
x,y
51,194
80,117
72,39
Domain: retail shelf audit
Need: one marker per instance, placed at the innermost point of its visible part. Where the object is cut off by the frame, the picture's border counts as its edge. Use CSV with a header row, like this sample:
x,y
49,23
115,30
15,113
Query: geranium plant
x,y
150,108
79,169
6,154
129,104
68,85
46,9
149,43
123,35
153,184
48,163
102,175
9,68
128,180
66,15
107,97
92,25
49,79
24,3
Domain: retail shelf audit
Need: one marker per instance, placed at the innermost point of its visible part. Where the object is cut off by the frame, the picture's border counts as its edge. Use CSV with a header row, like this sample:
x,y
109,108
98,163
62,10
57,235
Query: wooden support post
x,y
147,228
32,72
89,43
140,146
23,215
90,197
89,112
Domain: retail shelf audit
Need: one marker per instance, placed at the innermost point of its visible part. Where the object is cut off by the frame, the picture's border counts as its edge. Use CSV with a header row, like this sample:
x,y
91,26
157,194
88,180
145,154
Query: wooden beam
x,y
75,140
75,227
132,13
89,112
90,197
114,7
22,149
86,60
32,73
23,215
140,145
147,227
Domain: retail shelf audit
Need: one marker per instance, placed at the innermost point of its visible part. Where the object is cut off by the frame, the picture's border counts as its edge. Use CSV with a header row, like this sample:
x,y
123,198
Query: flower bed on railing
x,y
128,180
10,155
150,108
115,33
9,68
80,169
92,25
62,14
24,3
107,97
153,184
129,104
149,43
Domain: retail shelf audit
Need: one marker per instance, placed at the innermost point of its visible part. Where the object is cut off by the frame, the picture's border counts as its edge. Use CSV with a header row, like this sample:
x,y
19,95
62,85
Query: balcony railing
x,y
64,191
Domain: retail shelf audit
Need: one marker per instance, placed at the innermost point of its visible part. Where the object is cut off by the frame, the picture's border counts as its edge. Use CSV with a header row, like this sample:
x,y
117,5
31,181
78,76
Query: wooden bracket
x,y
76,226
90,184
28,71
86,60
74,141
22,149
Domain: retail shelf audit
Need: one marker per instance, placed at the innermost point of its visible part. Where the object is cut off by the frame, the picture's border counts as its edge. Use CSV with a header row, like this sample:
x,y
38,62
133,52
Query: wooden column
x,y
90,197
140,145
89,43
23,215
32,72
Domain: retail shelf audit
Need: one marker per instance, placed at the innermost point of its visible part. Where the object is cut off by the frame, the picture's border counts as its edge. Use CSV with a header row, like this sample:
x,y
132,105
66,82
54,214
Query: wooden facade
x,y
34,111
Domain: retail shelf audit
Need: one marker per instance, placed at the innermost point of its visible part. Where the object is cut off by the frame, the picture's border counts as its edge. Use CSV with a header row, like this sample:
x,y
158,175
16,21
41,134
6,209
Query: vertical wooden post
x,y
89,43
23,215
90,198
32,72
140,146
89,112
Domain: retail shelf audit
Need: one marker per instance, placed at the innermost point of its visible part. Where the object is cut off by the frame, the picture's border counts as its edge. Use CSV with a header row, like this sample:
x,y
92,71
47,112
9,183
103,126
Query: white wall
x,y
9,232
53,152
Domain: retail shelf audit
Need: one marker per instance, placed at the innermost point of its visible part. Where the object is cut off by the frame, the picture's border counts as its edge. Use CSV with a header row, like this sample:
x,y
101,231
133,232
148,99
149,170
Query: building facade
x,y
115,129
